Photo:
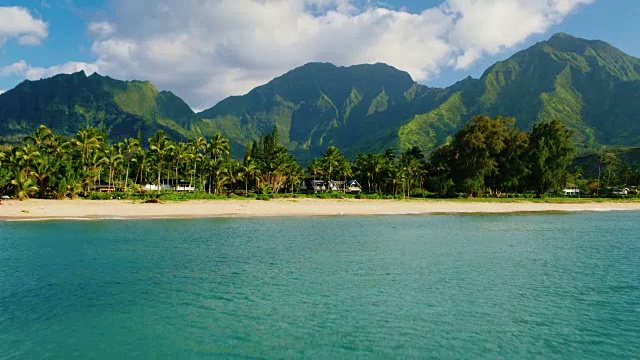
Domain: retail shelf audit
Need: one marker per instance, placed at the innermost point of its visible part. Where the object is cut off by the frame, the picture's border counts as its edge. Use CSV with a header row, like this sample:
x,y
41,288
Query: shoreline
x,y
79,210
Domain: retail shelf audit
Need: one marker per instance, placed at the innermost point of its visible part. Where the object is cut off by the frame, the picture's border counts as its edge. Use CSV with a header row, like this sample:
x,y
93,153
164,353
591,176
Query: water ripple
x,y
501,286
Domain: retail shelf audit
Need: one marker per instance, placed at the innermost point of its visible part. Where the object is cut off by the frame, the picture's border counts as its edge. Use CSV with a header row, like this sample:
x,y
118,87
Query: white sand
x,y
124,209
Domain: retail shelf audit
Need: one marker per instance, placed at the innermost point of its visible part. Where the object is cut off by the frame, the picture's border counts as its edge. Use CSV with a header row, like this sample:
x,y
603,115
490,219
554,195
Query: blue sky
x,y
206,53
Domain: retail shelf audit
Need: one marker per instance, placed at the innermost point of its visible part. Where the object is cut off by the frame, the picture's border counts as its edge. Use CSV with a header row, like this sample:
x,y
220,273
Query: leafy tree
x,y
551,151
478,146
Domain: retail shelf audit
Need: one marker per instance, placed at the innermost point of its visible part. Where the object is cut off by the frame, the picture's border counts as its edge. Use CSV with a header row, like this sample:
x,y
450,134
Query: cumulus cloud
x,y
17,22
206,50
101,28
16,68
34,73
2,91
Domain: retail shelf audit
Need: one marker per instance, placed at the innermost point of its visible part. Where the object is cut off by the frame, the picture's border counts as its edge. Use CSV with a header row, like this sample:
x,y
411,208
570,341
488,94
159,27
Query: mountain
x,y
67,103
320,104
589,84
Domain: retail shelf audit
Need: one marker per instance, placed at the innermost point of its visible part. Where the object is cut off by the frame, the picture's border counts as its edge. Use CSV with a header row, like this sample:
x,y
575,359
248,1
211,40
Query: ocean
x,y
450,286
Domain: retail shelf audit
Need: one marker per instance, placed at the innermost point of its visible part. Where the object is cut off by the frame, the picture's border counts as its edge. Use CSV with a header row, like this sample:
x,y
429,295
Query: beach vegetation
x,y
489,158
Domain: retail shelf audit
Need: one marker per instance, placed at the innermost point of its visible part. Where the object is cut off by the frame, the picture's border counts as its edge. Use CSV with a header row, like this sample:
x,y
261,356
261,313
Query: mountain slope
x,y
67,103
588,84
319,104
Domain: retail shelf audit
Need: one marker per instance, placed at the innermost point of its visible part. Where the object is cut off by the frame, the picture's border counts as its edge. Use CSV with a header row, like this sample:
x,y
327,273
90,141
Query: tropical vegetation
x,y
487,157
588,84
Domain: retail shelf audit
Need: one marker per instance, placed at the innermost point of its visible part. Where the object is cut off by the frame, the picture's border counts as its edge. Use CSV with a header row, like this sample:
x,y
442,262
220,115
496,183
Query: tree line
x,y
488,156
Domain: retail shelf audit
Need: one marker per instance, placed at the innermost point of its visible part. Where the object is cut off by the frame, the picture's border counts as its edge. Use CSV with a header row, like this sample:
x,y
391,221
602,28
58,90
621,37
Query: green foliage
x,y
68,103
551,151
565,78
590,85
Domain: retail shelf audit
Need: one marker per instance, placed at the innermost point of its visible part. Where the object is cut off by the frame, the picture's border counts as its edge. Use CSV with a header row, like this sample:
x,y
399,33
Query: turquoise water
x,y
513,286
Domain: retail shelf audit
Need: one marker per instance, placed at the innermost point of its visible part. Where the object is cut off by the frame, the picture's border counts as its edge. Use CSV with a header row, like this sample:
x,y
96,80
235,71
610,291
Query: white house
x,y
313,186
154,187
620,191
571,192
349,186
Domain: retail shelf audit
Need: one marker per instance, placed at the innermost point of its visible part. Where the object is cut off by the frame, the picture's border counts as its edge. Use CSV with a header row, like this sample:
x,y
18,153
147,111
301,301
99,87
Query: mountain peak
x,y
568,43
563,36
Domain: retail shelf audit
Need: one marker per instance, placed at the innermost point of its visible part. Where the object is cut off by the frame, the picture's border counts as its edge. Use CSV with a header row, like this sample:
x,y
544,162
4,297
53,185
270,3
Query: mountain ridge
x,y
589,84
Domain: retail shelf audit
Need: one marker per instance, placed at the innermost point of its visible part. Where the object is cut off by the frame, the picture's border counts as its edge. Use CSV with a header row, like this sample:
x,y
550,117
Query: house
x,y
571,192
106,188
348,187
170,185
154,187
183,186
618,191
313,186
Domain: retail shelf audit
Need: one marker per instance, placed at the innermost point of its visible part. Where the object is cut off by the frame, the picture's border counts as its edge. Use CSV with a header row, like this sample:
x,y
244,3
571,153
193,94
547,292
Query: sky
x,y
206,50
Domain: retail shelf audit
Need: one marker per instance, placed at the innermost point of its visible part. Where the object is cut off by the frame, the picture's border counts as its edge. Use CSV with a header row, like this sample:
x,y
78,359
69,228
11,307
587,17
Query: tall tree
x,y
551,151
161,145
477,148
131,148
331,160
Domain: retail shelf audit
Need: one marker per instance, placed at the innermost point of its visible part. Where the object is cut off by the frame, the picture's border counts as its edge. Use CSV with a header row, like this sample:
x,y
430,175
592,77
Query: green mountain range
x,y
67,103
589,84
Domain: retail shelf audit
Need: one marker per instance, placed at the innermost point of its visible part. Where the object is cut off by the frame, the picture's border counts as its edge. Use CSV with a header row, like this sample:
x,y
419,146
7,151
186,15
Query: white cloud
x,y
207,50
17,22
102,28
16,68
2,91
489,26
35,73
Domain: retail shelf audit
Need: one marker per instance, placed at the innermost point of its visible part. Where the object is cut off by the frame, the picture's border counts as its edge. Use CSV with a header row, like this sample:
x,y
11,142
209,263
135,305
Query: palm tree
x,y
248,171
411,166
180,155
161,145
86,140
59,147
24,186
26,157
378,165
95,162
113,158
42,171
218,146
363,165
131,147
39,137
294,174
198,145
219,174
331,160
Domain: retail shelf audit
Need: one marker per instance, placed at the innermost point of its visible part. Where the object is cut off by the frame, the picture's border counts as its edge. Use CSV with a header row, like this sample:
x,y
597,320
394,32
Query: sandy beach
x,y
125,209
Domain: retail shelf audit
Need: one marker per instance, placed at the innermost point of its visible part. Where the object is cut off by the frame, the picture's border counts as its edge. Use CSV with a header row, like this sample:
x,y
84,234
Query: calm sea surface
x,y
514,286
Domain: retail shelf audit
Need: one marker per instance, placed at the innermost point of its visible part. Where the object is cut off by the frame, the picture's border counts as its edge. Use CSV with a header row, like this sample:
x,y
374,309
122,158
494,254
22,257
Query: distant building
x,y
618,191
170,185
313,186
348,187
571,192
104,188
